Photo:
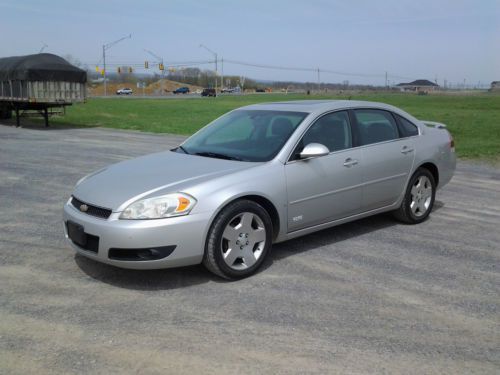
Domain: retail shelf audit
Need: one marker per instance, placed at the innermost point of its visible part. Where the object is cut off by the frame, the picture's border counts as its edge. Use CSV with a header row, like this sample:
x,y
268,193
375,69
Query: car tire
x,y
238,240
419,198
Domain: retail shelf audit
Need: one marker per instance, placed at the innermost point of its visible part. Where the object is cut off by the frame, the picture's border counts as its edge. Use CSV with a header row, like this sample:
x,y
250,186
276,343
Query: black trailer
x,y
39,85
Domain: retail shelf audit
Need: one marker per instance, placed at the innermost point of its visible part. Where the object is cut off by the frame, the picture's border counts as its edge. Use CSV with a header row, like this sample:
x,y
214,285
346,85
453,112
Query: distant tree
x,y
72,60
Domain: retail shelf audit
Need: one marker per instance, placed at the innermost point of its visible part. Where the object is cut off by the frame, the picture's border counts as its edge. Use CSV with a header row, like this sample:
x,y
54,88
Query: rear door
x,y
329,187
388,156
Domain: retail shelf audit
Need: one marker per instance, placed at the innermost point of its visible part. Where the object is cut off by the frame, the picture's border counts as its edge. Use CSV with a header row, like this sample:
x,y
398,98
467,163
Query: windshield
x,y
247,135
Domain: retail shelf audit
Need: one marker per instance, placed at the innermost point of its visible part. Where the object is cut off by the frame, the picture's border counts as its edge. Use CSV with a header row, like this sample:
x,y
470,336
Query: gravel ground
x,y
373,296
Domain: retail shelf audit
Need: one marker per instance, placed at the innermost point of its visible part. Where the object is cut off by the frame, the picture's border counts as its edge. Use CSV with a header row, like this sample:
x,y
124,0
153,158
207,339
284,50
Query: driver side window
x,y
332,130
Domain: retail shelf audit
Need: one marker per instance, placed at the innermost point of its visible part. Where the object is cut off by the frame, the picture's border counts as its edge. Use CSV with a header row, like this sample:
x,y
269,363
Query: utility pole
x,y
318,81
216,72
160,61
105,47
222,73
386,85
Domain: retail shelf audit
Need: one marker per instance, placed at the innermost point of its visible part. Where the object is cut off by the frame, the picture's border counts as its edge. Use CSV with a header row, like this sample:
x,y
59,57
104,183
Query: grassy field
x,y
474,120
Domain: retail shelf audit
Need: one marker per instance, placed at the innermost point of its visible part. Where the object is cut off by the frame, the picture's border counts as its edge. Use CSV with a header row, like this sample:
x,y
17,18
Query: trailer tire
x,y
5,112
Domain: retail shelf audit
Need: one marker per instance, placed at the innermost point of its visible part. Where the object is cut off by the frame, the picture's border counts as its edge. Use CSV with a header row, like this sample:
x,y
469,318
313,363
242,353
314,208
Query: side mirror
x,y
314,150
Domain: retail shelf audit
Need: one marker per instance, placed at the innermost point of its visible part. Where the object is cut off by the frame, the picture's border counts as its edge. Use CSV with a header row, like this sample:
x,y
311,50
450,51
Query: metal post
x,y
46,117
160,61
18,121
104,48
162,79
104,63
318,81
216,72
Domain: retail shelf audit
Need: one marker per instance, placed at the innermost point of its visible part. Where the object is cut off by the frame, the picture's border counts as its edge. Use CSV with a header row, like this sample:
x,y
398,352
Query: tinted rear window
x,y
375,126
407,128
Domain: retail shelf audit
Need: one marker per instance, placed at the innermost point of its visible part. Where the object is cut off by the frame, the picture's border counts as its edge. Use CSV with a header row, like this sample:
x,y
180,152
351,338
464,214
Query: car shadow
x,y
164,279
334,235
174,278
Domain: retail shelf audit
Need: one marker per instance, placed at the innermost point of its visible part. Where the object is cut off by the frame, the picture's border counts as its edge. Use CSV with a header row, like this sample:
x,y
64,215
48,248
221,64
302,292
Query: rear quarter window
x,y
407,128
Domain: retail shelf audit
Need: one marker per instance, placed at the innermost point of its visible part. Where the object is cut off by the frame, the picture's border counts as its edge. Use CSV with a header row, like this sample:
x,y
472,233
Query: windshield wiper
x,y
184,150
218,156
180,148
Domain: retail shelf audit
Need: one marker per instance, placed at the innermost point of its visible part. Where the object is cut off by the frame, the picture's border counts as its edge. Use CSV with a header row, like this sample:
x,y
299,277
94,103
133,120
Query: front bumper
x,y
186,233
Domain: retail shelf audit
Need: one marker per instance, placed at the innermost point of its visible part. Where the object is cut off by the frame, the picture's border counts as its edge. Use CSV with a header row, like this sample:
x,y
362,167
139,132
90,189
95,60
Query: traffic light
x,y
130,69
119,70
161,67
146,65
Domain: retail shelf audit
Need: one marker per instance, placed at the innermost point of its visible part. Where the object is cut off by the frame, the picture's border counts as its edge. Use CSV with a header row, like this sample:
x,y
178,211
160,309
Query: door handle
x,y
350,162
405,150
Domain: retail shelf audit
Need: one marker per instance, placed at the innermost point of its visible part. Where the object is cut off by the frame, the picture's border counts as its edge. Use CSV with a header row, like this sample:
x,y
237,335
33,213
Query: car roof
x,y
318,105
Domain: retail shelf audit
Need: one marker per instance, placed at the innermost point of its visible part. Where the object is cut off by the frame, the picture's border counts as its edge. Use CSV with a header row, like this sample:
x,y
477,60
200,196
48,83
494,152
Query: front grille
x,y
103,213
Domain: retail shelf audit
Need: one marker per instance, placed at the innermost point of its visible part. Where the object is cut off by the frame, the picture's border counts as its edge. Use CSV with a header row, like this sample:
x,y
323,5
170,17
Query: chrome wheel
x,y
421,196
243,241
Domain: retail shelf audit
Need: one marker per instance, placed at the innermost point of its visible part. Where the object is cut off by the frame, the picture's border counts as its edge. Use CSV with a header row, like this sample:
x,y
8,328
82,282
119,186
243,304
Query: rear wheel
x,y
419,198
238,240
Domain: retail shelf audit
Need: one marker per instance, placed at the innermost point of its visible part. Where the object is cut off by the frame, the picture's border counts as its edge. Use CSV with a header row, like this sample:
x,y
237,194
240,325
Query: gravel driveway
x,y
373,296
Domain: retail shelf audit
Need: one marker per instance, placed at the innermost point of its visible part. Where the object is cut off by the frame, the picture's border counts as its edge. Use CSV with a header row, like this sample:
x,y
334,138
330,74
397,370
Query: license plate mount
x,y
77,233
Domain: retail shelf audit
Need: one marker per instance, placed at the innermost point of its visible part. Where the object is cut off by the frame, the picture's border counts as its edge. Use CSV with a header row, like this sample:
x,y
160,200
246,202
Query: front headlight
x,y
169,205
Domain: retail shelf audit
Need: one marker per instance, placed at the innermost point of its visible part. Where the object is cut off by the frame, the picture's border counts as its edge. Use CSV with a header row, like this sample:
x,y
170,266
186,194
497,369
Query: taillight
x,y
452,142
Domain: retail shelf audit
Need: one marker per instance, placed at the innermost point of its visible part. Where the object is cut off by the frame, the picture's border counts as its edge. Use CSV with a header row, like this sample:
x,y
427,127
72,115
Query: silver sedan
x,y
259,175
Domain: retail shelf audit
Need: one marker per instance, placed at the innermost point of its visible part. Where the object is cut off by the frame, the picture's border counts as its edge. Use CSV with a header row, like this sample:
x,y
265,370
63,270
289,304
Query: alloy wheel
x,y
243,241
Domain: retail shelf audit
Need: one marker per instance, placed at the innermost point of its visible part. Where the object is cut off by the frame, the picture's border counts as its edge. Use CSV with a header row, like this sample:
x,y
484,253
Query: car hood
x,y
159,173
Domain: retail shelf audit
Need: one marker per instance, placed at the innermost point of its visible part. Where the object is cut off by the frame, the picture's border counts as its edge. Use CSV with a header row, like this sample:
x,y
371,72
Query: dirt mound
x,y
156,88
169,86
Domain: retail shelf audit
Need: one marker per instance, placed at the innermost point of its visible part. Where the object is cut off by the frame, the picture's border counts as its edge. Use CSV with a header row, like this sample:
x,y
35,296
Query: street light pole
x,y
160,60
215,55
105,47
104,67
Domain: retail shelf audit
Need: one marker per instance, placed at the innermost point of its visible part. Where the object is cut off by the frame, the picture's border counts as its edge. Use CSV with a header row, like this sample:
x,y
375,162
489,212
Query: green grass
x,y
474,120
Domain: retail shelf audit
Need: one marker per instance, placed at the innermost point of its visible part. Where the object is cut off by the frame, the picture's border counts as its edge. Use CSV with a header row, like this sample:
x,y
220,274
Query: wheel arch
x,y
433,169
266,203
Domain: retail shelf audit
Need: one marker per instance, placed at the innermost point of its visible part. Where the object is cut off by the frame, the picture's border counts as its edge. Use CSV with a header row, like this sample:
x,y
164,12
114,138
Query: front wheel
x,y
419,198
238,240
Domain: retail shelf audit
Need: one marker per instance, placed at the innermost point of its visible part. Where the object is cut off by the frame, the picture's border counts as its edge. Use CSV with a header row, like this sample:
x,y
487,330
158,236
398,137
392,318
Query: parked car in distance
x,y
124,91
208,92
259,175
260,90
231,90
181,90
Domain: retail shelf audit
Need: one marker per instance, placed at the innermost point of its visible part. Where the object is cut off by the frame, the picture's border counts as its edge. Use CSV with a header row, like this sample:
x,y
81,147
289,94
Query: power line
x,y
141,64
317,70
305,69
276,67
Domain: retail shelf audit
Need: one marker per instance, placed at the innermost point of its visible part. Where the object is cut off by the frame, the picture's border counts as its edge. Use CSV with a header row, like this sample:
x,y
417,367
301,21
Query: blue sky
x,y
443,39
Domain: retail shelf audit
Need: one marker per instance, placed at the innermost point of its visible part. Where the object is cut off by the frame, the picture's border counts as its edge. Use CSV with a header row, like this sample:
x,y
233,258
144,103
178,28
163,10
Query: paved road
x,y
373,296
